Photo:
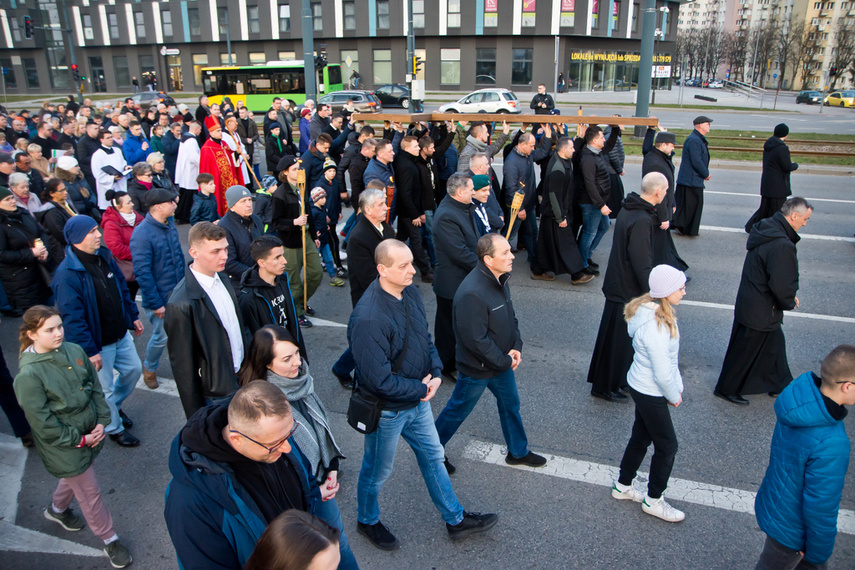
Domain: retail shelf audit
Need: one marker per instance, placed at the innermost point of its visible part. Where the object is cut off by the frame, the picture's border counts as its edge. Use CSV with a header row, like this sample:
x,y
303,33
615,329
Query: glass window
x,y
58,68
449,66
349,15
454,15
254,22
521,68
200,60
16,28
224,59
256,58
140,24
347,70
285,18
120,67
195,24
286,55
418,13
223,21
147,73
317,17
88,32
166,22
31,73
485,66
382,66
383,14
113,20
635,10
9,75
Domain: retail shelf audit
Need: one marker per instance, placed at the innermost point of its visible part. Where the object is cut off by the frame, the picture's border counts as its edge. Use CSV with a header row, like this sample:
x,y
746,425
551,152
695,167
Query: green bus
x,y
257,85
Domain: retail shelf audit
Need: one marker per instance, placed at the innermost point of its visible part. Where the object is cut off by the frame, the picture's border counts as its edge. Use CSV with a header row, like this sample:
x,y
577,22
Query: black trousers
x,y
613,351
407,231
690,206
9,402
652,425
767,209
334,241
443,334
185,204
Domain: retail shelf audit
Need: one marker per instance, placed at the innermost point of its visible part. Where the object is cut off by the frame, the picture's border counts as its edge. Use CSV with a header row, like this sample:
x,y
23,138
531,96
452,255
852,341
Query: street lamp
x,y
756,47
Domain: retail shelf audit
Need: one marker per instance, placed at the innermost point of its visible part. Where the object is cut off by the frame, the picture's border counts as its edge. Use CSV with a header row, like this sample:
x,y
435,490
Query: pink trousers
x,y
85,489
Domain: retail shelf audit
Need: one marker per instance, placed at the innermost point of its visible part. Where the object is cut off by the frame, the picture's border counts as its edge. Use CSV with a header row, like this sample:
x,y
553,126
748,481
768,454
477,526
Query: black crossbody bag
x,y
363,412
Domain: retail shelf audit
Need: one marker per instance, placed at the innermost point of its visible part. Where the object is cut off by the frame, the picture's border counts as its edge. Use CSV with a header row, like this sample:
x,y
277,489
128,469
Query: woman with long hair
x,y
58,389
654,384
57,209
118,223
296,540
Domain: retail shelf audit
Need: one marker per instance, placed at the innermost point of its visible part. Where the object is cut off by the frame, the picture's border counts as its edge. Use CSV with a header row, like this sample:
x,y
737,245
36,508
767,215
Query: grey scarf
x,y
314,437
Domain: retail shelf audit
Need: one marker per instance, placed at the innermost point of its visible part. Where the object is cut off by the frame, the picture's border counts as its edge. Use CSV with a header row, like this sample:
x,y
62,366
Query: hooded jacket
x,y
158,260
654,370
133,151
770,275
61,396
264,304
631,258
800,495
775,180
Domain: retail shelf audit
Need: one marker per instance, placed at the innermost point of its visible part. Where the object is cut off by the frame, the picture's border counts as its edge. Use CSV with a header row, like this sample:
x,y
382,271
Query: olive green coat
x,y
61,396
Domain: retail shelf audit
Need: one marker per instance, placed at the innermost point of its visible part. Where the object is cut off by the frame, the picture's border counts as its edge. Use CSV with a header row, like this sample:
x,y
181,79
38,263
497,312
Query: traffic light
x,y
417,64
320,62
74,72
28,27
832,72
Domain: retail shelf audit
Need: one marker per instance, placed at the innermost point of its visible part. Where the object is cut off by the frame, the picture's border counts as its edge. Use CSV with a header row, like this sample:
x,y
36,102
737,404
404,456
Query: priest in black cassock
x,y
630,263
756,358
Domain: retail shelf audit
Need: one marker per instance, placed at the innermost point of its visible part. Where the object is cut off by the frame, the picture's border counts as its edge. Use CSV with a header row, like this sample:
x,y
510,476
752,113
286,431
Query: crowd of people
x,y
89,204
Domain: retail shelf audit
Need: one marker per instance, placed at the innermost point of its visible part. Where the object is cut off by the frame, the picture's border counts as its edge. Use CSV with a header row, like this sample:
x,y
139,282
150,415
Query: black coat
x,y
286,208
19,270
53,220
595,176
240,233
361,243
353,149
263,304
408,187
657,161
631,258
199,349
770,275
37,183
137,192
454,240
274,153
775,180
485,324
356,170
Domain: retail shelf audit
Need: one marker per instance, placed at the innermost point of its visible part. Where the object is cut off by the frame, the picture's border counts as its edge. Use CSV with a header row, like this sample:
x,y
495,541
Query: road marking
x,y
705,494
802,235
788,313
755,196
323,323
13,459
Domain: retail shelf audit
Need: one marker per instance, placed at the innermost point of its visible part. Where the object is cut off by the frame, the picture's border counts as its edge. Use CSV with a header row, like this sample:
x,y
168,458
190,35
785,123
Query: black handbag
x,y
363,412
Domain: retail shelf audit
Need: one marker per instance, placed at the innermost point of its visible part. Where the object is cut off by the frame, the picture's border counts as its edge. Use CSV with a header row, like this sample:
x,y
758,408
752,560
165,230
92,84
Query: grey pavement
x,y
545,521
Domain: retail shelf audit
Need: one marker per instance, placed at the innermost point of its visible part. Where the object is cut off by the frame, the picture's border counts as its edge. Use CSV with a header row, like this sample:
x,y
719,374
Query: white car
x,y
716,84
484,101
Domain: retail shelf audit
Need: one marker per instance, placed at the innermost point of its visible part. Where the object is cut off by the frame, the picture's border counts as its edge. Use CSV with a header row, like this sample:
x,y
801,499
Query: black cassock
x,y
557,250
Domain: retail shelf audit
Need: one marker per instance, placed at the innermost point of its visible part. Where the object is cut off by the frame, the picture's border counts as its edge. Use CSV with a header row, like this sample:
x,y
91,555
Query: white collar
x,y
205,281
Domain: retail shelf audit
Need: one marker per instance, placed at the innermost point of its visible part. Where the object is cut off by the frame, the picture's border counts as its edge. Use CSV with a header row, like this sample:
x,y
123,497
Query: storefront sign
x,y
661,71
529,5
568,5
491,6
568,16
615,57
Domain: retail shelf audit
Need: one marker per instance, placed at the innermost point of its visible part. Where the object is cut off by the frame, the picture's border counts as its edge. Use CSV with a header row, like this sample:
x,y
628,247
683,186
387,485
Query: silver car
x,y
485,101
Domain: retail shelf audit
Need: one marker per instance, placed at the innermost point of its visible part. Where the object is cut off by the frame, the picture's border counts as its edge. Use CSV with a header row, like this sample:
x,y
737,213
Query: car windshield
x,y
812,93
849,93
509,96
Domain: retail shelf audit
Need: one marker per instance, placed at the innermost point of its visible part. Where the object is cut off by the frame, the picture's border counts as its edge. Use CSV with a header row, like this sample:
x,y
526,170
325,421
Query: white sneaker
x,y
626,492
659,508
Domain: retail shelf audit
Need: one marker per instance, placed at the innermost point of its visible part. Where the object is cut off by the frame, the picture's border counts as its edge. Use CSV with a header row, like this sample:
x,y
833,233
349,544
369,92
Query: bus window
x,y
333,73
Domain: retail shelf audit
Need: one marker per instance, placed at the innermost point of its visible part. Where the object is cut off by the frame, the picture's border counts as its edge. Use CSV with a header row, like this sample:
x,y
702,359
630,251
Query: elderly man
x,y
405,376
775,180
242,228
694,170
234,470
756,358
488,351
630,263
97,313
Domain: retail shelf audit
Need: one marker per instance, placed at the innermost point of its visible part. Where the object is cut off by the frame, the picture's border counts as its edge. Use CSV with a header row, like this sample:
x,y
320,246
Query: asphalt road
x,y
547,519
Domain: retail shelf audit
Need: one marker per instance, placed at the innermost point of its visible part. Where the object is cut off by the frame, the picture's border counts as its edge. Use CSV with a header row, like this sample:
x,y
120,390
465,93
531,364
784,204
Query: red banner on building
x,y
491,5
568,5
529,5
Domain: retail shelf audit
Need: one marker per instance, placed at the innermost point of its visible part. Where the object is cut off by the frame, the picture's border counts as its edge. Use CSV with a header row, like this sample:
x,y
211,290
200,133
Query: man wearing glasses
x,y
233,472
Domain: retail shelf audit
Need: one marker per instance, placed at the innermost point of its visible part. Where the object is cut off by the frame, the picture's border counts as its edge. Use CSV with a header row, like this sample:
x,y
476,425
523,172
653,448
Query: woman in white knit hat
x,y
655,383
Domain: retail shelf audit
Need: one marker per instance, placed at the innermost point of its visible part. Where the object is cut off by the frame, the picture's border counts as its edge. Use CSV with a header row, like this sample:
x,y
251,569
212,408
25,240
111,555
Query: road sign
x,y
348,61
774,76
6,70
173,51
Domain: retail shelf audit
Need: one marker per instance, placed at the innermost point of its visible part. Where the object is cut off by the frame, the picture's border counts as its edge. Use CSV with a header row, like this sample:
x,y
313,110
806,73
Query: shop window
x,y
200,60
382,66
450,66
485,66
521,68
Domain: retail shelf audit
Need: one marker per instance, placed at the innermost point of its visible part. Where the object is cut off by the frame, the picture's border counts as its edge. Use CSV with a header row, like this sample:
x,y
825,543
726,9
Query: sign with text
x,y
568,13
661,71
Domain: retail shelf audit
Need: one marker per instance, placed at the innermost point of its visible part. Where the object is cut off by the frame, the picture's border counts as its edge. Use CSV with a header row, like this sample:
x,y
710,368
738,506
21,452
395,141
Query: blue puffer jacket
x,y
158,260
376,332
695,162
75,298
798,500
132,149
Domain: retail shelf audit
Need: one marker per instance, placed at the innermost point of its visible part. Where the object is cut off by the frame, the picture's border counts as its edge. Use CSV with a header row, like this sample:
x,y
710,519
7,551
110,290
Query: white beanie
x,y
66,162
665,280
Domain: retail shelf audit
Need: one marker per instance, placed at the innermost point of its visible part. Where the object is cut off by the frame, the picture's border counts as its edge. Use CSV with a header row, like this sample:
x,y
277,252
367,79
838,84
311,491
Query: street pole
x,y
72,54
411,54
308,50
645,70
555,71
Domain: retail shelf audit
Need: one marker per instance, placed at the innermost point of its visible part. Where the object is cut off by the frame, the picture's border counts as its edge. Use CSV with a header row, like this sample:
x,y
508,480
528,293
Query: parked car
x,y
484,101
841,99
363,101
146,99
809,97
614,85
393,95
717,84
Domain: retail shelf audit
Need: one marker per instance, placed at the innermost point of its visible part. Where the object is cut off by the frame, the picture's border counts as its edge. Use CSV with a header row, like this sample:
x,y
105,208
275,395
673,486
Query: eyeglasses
x,y
273,449
683,288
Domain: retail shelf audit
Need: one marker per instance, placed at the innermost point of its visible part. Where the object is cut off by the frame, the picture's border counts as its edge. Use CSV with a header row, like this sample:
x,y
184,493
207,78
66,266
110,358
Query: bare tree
x,y
806,54
843,52
788,37
735,51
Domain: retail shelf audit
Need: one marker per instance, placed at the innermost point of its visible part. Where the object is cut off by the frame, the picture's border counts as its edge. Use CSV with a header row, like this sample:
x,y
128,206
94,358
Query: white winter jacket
x,y
654,369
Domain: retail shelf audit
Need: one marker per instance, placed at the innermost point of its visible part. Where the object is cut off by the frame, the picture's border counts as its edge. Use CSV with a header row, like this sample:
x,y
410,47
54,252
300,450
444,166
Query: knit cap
x,y
66,162
665,280
4,192
329,163
781,130
479,181
236,193
77,228
275,125
318,193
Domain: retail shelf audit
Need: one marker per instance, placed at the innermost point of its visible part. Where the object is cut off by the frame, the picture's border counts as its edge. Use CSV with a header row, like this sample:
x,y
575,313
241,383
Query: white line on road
x,y
789,313
755,196
802,235
705,494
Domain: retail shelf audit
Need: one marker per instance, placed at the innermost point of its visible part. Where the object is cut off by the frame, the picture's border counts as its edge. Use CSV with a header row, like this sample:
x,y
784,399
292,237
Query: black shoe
x,y
593,265
450,374
125,439
340,272
449,467
472,523
27,440
610,396
530,460
688,278
304,322
378,535
126,421
774,394
346,380
590,271
735,399
310,311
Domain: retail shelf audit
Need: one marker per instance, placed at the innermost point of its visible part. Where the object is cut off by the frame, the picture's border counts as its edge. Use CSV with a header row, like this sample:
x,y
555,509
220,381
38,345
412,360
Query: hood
x,y
477,143
635,202
253,280
202,443
772,143
28,358
802,405
769,229
644,314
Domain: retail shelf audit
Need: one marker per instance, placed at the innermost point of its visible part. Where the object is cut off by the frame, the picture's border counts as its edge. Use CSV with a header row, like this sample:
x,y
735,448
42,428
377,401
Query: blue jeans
x,y
417,428
427,236
466,394
594,227
326,255
329,513
530,233
157,342
348,225
121,356
346,363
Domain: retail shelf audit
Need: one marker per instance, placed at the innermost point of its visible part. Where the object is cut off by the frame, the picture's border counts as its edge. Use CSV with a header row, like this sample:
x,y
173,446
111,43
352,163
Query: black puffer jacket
x,y
19,269
631,259
286,208
408,187
770,275
775,180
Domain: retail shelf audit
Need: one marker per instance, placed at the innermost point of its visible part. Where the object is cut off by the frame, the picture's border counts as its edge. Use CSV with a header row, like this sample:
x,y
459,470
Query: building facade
x,y
465,44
